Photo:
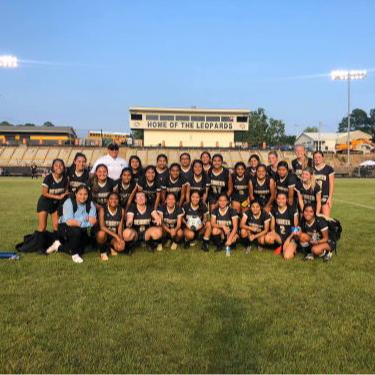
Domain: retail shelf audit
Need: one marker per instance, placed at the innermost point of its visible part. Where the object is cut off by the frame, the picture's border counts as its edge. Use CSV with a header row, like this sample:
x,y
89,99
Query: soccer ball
x,y
194,223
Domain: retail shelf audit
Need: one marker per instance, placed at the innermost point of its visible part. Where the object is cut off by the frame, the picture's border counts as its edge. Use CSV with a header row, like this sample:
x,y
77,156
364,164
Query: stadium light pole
x,y
348,75
8,61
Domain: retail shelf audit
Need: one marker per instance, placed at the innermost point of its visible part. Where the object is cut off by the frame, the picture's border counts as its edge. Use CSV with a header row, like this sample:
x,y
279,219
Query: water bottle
x,y
228,251
11,256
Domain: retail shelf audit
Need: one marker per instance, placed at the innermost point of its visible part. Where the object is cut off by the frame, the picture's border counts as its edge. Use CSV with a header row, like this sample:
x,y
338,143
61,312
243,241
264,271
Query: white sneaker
x,y
193,243
77,259
174,246
104,257
54,247
160,247
248,250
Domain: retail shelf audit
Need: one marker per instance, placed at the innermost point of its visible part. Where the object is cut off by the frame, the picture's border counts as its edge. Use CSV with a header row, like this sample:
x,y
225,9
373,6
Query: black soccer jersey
x,y
170,217
284,221
76,180
308,193
150,190
112,220
55,187
315,229
225,217
136,176
124,191
257,224
218,183
190,211
200,185
297,167
141,220
271,172
174,187
283,184
240,188
261,190
322,178
250,172
188,174
162,177
101,192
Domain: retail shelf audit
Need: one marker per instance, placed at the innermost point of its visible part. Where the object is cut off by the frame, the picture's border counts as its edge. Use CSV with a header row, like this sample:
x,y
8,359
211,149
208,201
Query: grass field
x,y
188,311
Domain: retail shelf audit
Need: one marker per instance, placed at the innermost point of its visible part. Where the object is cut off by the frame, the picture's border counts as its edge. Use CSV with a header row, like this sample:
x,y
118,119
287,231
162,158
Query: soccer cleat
x,y
278,250
113,252
159,247
204,246
77,259
327,257
174,246
193,243
308,256
54,247
260,248
104,257
248,250
186,245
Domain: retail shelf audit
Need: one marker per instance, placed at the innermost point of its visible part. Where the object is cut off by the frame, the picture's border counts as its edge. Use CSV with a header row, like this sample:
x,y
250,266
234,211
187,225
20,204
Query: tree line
x,y
6,123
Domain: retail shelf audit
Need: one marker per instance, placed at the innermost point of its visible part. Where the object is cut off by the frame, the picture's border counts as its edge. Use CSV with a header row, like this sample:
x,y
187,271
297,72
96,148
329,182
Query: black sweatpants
x,y
73,239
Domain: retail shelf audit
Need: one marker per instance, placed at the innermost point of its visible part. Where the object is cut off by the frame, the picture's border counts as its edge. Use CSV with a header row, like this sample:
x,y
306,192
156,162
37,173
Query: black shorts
x,y
239,198
47,205
324,199
212,199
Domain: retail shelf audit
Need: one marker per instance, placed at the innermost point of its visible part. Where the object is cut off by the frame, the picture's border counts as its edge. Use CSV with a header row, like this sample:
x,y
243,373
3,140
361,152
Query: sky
x,y
85,62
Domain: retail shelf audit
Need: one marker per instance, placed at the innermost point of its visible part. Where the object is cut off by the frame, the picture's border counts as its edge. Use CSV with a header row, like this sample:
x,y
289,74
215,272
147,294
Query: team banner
x,y
188,125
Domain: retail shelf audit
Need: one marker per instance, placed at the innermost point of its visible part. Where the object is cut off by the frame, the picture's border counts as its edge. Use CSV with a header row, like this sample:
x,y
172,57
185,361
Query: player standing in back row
x,y
325,177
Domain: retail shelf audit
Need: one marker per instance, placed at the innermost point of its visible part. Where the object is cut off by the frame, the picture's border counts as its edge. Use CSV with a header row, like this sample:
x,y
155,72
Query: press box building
x,y
188,127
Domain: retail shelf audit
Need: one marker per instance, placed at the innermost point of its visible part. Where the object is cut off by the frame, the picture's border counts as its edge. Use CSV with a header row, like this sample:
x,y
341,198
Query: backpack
x,y
334,230
36,242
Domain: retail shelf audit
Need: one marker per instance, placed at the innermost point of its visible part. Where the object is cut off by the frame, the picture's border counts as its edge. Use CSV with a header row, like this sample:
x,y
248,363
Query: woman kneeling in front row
x,y
79,214
255,224
224,222
313,236
283,219
139,220
111,221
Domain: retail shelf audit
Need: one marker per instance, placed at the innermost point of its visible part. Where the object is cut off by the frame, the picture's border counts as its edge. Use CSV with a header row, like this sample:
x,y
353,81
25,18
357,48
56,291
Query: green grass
x,y
188,311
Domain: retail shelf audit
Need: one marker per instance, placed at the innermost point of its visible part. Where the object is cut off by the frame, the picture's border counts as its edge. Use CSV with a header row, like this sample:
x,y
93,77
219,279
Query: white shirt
x,y
115,166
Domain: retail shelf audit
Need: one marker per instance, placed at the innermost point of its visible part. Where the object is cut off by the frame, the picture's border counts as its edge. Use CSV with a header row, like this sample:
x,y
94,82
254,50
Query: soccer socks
x,y
103,248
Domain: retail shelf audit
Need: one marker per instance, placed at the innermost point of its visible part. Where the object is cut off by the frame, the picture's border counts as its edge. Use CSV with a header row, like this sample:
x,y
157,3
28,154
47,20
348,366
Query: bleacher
x,y
18,159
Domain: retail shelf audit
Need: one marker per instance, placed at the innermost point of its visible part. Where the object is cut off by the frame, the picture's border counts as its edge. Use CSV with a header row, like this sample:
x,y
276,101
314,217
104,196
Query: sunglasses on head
x,y
113,147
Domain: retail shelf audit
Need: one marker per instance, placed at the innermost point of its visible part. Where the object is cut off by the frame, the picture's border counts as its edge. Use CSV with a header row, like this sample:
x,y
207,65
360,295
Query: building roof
x,y
322,136
38,129
189,110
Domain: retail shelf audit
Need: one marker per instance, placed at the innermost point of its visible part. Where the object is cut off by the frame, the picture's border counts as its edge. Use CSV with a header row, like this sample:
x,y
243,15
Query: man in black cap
x,y
114,163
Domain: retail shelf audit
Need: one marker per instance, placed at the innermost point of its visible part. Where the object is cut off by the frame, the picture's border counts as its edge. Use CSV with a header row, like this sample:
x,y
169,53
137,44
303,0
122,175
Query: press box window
x,y
136,116
197,118
226,118
182,118
152,117
166,118
241,118
213,118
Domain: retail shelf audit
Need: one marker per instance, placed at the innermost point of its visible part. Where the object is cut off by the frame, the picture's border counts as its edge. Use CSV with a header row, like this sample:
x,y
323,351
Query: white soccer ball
x,y
194,222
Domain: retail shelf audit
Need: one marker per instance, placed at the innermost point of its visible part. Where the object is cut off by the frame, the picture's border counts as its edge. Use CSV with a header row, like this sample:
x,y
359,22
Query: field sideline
x,y
188,311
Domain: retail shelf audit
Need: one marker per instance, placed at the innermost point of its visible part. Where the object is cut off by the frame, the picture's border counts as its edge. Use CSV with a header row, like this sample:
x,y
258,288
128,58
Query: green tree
x,y
5,123
48,123
358,121
311,129
138,134
262,129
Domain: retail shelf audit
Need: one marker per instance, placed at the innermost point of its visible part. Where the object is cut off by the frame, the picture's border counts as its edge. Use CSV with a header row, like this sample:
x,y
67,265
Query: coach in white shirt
x,y
114,164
